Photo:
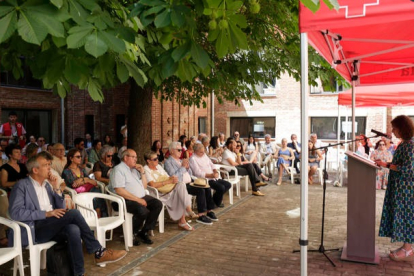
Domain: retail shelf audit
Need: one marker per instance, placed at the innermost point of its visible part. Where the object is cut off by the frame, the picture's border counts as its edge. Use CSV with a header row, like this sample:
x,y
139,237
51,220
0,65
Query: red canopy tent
x,y
369,42
379,95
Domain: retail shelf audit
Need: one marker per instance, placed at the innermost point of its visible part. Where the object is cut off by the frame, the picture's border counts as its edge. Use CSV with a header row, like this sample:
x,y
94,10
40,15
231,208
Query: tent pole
x,y
353,115
303,241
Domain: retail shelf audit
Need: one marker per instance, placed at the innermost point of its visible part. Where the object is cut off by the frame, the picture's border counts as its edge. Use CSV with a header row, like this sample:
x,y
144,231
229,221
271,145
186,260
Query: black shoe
x,y
144,238
212,216
221,205
204,220
136,242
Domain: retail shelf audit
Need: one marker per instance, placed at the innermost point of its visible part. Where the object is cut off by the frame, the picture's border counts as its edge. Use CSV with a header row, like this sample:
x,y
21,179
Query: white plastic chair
x,y
234,181
15,252
84,203
154,193
289,170
128,224
37,251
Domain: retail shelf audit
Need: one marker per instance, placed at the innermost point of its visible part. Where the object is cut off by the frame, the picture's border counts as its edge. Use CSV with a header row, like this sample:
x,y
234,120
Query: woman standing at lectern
x,y
398,211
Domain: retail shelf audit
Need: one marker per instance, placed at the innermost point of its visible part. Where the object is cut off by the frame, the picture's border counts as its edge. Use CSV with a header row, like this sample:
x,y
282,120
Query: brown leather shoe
x,y
110,256
258,184
258,193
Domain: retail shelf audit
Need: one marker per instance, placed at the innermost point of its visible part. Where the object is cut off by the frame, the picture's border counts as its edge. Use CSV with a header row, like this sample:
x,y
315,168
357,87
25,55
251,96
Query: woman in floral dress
x,y
382,154
398,211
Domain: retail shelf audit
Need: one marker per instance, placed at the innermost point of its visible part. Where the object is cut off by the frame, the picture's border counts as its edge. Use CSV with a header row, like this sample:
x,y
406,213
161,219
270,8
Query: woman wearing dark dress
x,y
157,148
12,171
103,167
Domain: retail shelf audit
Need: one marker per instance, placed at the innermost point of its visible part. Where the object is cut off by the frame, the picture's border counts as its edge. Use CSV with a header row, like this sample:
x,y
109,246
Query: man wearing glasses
x,y
41,142
59,159
128,180
236,136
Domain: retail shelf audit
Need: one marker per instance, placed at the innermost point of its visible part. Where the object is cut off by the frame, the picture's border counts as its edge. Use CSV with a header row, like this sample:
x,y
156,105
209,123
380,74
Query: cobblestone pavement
x,y
255,236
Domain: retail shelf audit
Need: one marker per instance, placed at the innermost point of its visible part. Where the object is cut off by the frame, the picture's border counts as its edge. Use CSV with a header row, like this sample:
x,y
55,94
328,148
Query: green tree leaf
x,y
30,29
77,37
163,19
332,4
135,72
71,71
122,72
8,26
5,10
313,5
95,90
199,55
77,12
95,45
222,44
113,42
181,51
57,3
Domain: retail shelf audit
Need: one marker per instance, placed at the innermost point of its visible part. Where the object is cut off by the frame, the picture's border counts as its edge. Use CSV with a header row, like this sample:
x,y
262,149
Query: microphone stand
x,y
321,248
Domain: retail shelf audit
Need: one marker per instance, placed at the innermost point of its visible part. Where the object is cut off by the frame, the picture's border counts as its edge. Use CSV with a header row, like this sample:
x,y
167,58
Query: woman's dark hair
x,y
148,154
188,144
404,125
78,140
70,155
181,140
109,142
95,142
313,149
248,140
214,142
229,141
377,144
31,150
154,145
241,147
9,149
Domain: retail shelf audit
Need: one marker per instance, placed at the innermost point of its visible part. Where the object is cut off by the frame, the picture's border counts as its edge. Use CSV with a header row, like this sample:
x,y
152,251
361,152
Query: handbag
x,y
84,188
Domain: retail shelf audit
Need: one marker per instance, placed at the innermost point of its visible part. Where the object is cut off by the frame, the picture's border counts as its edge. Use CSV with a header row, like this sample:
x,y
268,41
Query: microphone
x,y
378,133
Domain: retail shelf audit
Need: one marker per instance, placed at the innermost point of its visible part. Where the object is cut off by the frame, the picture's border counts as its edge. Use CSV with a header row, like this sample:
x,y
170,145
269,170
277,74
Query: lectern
x,y
360,242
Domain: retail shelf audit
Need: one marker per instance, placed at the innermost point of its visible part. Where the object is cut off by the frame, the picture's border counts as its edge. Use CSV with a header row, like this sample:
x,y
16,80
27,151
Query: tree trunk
x,y
139,120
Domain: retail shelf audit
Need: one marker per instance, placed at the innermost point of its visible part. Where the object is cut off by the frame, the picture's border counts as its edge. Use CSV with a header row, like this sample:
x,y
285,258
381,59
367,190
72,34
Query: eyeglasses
x,y
109,155
154,159
77,156
179,150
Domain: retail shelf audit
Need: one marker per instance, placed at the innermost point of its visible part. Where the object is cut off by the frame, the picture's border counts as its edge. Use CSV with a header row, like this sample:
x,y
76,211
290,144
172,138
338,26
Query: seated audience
x,y
76,178
124,147
202,167
59,159
12,171
94,150
315,156
205,141
244,160
285,156
174,166
3,144
236,137
316,142
88,142
177,201
108,141
157,148
128,179
31,150
365,143
232,157
222,140
200,137
268,152
215,151
104,166
189,152
251,149
50,148
182,140
38,201
80,146
296,147
389,145
381,154
41,142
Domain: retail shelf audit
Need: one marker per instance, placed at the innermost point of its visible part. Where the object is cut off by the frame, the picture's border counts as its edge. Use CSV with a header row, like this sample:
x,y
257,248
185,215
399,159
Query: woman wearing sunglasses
x,y
177,201
103,167
381,154
76,178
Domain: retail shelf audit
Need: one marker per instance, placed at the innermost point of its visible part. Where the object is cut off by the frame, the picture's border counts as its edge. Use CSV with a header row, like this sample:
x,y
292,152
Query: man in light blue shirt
x,y
128,180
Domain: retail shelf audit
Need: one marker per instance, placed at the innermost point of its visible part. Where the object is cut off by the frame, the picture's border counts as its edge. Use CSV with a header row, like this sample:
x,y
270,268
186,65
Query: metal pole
x,y
353,115
212,113
303,242
62,116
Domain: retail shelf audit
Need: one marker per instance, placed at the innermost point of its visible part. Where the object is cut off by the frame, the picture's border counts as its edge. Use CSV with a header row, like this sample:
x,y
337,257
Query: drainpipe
x,y
62,116
212,113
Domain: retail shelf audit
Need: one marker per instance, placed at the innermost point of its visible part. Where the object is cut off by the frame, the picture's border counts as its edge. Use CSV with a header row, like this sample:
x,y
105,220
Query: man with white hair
x,y
128,180
202,166
317,143
200,137
268,152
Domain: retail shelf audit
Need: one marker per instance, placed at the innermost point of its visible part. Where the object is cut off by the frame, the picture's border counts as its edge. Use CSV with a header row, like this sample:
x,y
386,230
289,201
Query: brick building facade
x,y
278,114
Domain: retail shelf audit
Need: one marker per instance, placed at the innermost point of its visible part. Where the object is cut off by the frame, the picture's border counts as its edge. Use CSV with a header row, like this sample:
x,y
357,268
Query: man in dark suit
x,y
38,201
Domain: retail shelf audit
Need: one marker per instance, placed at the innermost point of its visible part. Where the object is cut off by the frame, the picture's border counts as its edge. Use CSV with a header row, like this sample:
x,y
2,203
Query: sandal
x,y
408,255
279,183
193,215
185,226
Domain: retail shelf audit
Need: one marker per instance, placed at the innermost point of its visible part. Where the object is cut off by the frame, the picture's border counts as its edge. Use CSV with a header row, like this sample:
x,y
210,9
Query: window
x,y
202,124
36,122
89,125
326,127
267,88
26,81
319,88
257,126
